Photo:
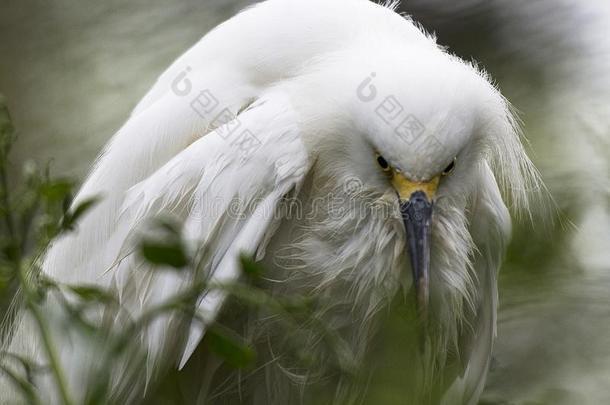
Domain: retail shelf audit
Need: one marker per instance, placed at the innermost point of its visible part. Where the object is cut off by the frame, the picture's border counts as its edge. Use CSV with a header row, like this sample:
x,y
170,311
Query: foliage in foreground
x,y
40,210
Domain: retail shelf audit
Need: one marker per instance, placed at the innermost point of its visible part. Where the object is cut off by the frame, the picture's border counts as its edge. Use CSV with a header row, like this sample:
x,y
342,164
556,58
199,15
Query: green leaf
x,y
71,218
250,267
230,347
84,207
56,190
167,225
7,131
92,293
164,253
11,251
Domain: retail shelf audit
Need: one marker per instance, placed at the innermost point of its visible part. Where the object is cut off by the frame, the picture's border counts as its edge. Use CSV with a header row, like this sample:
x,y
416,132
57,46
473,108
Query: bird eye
x,y
383,163
449,169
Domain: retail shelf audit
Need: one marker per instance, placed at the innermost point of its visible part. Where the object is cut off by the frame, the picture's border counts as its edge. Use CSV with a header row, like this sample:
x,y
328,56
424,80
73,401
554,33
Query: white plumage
x,y
305,93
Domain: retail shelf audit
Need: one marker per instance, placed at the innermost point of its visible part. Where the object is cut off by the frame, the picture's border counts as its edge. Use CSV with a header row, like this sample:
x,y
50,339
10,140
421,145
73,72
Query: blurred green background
x,y
72,71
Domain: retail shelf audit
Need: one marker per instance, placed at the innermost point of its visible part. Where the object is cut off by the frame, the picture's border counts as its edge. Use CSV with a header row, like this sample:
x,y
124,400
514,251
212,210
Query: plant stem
x,y
5,201
52,354
30,292
46,337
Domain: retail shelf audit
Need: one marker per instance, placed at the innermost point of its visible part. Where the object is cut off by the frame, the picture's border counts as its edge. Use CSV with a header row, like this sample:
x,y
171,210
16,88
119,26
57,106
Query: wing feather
x,y
227,197
200,185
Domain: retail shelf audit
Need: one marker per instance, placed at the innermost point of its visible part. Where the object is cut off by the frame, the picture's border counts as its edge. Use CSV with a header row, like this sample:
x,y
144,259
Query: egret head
x,y
422,130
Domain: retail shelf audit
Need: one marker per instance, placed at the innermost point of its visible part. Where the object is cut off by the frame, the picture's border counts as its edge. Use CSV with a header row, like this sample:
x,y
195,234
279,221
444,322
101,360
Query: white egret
x,y
312,99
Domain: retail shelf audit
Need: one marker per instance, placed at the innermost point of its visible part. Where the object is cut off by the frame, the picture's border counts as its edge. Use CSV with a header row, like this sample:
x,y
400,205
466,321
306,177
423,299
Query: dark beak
x,y
416,216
